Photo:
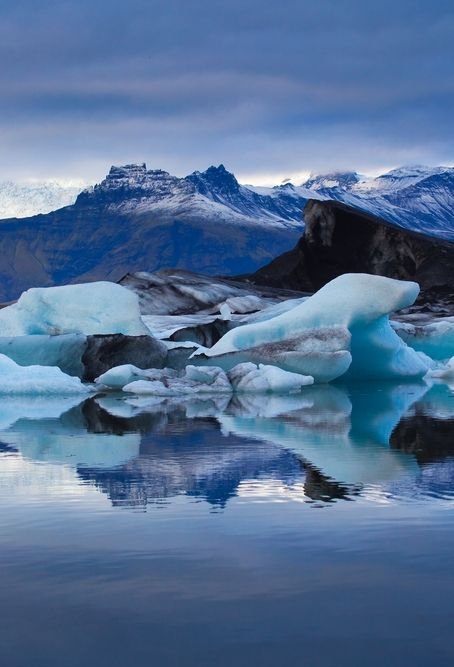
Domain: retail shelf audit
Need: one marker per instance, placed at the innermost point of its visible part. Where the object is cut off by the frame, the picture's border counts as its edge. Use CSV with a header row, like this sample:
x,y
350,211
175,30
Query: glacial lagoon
x,y
315,528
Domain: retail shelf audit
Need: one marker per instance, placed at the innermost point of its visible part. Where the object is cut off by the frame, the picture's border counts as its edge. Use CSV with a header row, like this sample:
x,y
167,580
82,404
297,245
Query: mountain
x,y
23,200
138,219
417,198
143,220
340,239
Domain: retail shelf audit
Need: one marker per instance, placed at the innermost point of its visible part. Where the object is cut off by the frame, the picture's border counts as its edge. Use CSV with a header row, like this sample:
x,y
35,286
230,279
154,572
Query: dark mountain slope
x,y
340,239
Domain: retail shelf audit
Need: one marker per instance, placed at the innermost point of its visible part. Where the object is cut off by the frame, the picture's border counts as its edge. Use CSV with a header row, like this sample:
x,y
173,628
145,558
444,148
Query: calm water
x,y
314,530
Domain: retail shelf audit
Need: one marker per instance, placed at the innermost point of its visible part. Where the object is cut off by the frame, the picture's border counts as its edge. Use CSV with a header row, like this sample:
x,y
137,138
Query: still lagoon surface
x,y
313,530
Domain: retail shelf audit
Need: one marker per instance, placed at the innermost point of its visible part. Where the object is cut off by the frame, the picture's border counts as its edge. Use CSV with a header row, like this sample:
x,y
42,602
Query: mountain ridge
x,y
138,219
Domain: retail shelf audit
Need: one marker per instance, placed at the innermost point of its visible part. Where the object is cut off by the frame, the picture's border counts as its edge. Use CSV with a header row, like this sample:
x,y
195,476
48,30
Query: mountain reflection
x,y
323,445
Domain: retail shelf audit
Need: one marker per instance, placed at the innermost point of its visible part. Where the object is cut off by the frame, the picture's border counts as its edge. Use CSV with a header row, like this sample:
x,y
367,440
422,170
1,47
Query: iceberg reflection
x,y
323,444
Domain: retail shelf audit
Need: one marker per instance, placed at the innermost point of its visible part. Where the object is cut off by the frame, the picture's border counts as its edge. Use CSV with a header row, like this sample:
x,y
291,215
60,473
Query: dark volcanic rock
x,y
103,352
340,239
203,334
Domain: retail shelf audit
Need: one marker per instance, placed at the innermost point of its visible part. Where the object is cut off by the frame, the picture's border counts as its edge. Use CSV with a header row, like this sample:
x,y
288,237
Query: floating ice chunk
x,y
436,339
117,377
446,372
344,326
89,308
248,377
48,380
168,382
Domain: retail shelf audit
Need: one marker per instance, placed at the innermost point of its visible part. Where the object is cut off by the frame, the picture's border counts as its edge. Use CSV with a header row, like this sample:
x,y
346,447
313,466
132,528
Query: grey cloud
x,y
263,87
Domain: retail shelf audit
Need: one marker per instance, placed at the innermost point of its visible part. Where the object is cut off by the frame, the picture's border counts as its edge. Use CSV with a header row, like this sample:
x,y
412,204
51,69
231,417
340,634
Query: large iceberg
x,y
88,308
48,380
343,329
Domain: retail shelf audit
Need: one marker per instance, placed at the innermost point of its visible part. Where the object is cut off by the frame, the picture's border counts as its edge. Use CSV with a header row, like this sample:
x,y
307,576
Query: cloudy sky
x,y
271,89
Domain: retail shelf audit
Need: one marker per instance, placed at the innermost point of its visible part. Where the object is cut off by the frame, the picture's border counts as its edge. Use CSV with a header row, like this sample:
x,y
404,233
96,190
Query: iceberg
x,y
48,380
88,308
343,329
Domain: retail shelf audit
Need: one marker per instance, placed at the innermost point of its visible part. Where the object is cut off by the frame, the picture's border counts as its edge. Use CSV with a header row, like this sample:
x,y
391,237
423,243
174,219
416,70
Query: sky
x,y
273,90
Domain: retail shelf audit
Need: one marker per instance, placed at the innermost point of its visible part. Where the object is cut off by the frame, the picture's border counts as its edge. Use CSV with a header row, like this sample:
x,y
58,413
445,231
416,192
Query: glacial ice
x,y
445,372
248,377
64,351
30,380
119,376
436,339
342,329
88,308
166,382
245,377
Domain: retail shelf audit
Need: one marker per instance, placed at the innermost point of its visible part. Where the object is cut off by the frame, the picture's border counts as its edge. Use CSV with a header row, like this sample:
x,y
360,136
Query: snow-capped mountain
x,y
144,220
22,200
214,194
418,198
138,219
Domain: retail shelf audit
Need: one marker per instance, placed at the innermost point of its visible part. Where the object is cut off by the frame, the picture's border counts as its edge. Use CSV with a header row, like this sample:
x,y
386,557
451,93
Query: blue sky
x,y
269,89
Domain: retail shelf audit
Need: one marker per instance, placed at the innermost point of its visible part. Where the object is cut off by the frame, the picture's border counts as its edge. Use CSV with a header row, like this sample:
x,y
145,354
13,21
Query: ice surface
x,y
172,383
88,308
436,339
248,377
343,327
445,372
119,376
63,351
48,380
245,377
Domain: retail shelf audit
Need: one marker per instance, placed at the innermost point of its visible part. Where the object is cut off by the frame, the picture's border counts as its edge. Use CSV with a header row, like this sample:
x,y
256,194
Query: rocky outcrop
x,y
340,239
103,352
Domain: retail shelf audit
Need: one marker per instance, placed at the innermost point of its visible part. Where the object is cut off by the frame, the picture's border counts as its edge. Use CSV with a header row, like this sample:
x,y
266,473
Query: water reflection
x,y
323,445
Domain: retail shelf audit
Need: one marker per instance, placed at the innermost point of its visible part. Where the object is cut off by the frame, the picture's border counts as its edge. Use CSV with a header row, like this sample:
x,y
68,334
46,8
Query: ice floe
x,y
247,377
88,308
48,380
343,327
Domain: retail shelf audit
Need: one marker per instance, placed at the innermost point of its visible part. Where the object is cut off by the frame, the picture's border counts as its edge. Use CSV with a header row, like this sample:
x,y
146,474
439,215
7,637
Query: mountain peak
x,y
214,180
336,179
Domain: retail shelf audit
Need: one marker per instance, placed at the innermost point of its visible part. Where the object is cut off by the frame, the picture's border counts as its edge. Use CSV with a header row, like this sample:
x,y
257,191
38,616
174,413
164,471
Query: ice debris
x,y
342,329
48,380
435,339
247,377
172,383
445,372
88,308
